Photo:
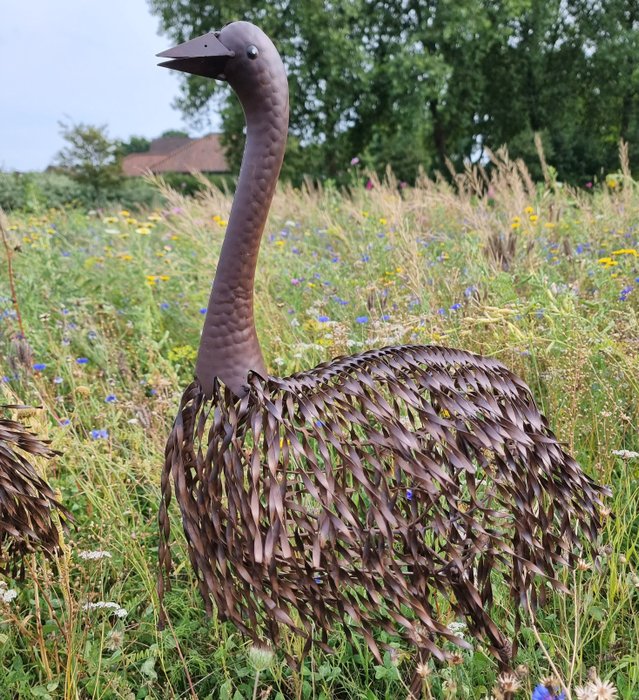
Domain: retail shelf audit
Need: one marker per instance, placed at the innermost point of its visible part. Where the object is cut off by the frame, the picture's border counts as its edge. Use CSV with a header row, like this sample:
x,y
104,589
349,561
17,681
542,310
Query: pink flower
x,y
369,185
589,185
295,281
354,161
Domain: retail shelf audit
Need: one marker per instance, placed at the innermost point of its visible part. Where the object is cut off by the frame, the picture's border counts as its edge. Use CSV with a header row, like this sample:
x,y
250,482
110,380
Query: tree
x,y
411,82
90,157
173,133
135,144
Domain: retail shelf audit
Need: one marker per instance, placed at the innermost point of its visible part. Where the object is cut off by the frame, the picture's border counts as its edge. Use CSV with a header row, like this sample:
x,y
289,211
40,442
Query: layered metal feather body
x,y
363,489
31,518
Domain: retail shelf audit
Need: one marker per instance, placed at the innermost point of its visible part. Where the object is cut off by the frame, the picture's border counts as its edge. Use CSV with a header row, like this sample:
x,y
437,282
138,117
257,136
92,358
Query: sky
x,y
80,61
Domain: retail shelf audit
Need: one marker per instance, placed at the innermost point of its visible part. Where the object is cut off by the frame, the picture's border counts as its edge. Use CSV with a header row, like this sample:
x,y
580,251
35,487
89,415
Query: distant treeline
x,y
413,82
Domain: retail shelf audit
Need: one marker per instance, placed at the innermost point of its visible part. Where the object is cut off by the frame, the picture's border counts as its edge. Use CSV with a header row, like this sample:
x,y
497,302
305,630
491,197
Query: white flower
x,y
7,594
98,554
102,604
625,454
458,628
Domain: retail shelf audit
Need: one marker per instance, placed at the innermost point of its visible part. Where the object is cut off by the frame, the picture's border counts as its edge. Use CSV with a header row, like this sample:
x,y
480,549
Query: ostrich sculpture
x,y
394,489
27,502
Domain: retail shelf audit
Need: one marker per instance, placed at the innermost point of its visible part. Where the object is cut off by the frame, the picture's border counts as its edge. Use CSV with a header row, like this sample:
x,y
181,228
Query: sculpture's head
x,y
240,54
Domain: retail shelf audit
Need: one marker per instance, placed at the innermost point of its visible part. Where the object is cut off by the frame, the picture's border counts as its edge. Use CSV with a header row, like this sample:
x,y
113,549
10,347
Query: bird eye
x,y
252,52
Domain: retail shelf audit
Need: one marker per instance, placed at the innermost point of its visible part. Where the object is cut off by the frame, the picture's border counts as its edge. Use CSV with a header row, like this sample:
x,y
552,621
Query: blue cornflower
x,y
318,579
58,380
386,317
441,312
164,305
65,421
362,319
469,291
409,494
542,692
456,307
39,366
202,311
323,319
111,398
365,258
100,434
623,294
82,360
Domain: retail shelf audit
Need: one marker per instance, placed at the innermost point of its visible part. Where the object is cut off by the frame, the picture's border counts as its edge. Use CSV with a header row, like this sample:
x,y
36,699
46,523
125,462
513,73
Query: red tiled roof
x,y
200,155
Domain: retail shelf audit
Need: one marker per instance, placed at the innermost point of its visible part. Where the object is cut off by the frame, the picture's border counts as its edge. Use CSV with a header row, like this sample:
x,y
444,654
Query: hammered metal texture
x,y
371,490
229,347
27,502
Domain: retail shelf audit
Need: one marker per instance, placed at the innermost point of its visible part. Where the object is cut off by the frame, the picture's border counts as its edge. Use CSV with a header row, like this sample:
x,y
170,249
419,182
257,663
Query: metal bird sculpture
x,y
27,502
393,489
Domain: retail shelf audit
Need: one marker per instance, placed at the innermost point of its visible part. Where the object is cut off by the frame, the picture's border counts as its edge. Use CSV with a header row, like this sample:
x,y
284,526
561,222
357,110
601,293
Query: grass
x,y
111,308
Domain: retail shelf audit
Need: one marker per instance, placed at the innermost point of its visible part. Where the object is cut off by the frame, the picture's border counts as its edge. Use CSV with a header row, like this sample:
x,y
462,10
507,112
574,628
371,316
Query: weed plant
x,y
545,278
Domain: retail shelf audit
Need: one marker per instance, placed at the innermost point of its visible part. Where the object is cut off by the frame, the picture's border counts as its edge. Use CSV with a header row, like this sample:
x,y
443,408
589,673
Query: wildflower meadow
x,y
100,314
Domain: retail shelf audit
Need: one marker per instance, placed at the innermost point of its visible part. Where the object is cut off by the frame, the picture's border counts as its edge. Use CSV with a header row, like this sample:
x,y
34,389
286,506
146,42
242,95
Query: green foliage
x,y
134,144
174,132
90,157
38,192
126,293
34,192
412,83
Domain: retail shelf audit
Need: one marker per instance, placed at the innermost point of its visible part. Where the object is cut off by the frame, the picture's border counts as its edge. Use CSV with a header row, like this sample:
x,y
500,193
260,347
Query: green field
x,y
544,278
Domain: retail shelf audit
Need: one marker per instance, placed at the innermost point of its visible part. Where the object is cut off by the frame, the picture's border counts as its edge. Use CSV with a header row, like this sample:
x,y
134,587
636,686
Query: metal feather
x,y
31,517
369,489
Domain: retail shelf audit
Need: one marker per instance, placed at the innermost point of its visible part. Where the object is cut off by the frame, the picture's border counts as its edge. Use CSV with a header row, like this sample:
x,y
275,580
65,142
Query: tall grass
x,y
542,277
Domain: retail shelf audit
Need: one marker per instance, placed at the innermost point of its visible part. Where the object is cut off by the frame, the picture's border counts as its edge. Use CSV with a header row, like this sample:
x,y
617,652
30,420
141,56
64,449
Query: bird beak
x,y
206,56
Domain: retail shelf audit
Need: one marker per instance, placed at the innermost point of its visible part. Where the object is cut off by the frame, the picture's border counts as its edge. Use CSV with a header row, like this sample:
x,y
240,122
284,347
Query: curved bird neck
x,y
229,347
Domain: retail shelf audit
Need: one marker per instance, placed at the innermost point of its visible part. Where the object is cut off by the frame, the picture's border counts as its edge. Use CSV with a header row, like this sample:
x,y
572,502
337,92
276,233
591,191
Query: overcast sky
x,y
86,61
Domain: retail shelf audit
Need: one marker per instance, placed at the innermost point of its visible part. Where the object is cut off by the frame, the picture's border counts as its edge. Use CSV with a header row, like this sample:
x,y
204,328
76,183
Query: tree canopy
x,y
412,82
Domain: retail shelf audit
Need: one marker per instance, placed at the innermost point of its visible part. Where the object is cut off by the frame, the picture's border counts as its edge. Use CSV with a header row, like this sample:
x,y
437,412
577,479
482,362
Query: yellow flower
x,y
143,230
151,279
126,256
154,217
534,218
549,224
222,222
607,262
110,220
132,221
164,278
515,224
528,210
125,213
279,243
383,221
624,251
612,183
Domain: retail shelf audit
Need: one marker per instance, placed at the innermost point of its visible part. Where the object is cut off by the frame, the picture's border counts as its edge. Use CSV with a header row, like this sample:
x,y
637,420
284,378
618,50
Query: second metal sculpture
x,y
31,518
394,489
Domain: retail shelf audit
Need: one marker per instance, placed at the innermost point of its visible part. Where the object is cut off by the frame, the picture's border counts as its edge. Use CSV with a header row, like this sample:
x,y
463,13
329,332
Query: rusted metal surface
x,y
391,490
27,502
